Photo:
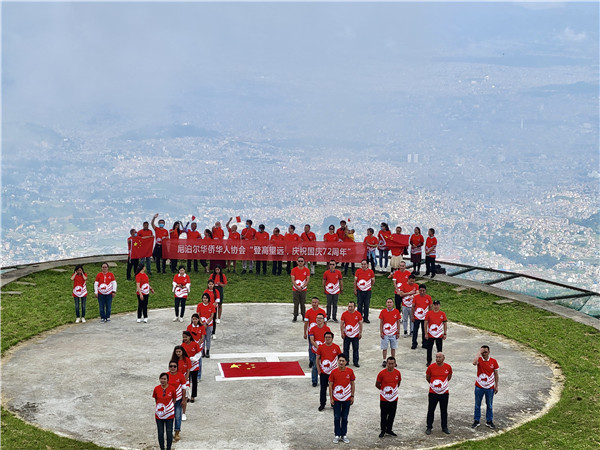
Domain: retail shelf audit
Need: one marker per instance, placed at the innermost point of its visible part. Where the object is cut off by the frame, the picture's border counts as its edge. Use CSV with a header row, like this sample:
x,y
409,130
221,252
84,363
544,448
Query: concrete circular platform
x,y
94,382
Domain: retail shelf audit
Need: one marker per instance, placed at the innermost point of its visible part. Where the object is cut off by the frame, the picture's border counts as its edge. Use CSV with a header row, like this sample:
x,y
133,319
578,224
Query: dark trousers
x,y
277,267
416,325
173,265
158,259
345,268
258,266
332,302
290,264
429,345
194,383
165,425
324,379
354,341
104,305
430,265
388,414
363,302
83,301
131,265
398,302
340,417
179,303
434,399
142,306
189,265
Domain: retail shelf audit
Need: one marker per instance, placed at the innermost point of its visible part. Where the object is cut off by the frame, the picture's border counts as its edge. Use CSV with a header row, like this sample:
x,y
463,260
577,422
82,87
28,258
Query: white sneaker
x,y
139,320
175,319
181,319
83,319
214,336
218,320
146,320
77,320
183,417
345,440
336,439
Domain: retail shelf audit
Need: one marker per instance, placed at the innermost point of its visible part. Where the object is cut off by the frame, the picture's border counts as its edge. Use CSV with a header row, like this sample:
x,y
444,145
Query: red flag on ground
x,y
261,369
141,247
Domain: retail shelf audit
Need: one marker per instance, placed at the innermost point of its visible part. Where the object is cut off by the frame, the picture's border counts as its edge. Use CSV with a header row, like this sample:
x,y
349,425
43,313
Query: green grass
x,y
574,422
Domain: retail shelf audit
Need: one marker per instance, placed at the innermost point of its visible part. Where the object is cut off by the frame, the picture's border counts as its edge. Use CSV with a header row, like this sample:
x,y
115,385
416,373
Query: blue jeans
x,y
83,300
315,373
148,266
489,399
105,305
383,255
207,338
372,258
161,425
354,341
178,412
340,417
311,356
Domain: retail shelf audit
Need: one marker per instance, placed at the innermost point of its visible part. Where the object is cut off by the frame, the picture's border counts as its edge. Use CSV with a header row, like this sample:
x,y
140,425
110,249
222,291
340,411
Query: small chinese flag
x,y
238,219
193,217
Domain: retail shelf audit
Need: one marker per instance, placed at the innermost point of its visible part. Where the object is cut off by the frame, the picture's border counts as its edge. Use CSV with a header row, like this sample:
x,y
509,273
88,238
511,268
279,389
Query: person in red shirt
x,y
184,365
178,382
333,285
146,233
220,280
217,231
316,337
79,279
300,276
436,329
327,354
406,294
218,235
399,277
234,235
345,235
194,352
206,311
181,290
438,375
105,289
352,328
331,235
248,234
192,234
277,238
291,236
397,252
389,328
310,320
161,233
131,263
371,242
486,385
263,237
416,250
341,395
164,412
215,300
421,303
388,382
143,290
383,234
197,330
174,234
364,280
309,236
430,253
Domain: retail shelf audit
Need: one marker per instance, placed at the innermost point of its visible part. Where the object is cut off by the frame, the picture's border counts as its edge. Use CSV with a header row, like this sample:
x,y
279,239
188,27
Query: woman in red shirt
x,y
164,413
143,290
416,249
220,280
194,352
184,364
79,278
384,233
174,234
371,242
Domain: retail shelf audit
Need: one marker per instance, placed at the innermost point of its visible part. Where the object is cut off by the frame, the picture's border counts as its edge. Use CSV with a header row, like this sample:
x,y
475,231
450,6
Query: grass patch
x,y
574,422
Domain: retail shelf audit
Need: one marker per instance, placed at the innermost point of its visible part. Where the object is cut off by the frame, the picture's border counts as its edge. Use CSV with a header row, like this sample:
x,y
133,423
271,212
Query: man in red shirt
x,y
388,382
430,253
277,239
300,276
389,328
341,395
438,375
160,233
344,235
316,337
309,236
234,236
310,320
192,234
327,354
436,329
352,328
131,263
164,413
371,242
406,293
263,237
364,280
486,385
333,285
217,231
421,303
291,236
248,234
399,277
146,233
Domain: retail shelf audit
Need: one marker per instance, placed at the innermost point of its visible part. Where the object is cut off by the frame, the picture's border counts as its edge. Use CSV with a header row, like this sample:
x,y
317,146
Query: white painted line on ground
x,y
258,355
222,378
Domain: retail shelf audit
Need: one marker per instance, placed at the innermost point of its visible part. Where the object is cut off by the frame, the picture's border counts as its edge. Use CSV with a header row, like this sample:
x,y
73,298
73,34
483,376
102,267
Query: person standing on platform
x,y
416,250
421,303
131,263
161,233
263,238
352,328
371,242
388,382
309,236
79,279
396,252
436,329
331,235
181,289
345,235
407,293
291,237
341,395
438,375
310,320
234,236
146,233
364,280
486,385
333,285
192,234
105,289
248,234
430,253
300,276
316,336
326,361
383,234
143,289
277,238
389,328
174,235
164,412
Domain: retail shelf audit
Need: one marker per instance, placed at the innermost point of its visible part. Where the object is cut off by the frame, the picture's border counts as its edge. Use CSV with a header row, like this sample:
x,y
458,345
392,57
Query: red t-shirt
x,y
435,323
178,383
191,234
248,234
342,386
389,385
390,321
183,365
106,284
319,336
215,297
416,242
311,316
342,236
144,282
206,313
174,234
364,279
300,277
181,292
277,237
144,233
371,241
165,402
421,304
407,300
332,281
79,286
351,323
222,279
400,278
161,234
310,236
291,237
431,243
234,236
486,379
197,332
330,237
328,355
192,349
438,381
262,236
218,233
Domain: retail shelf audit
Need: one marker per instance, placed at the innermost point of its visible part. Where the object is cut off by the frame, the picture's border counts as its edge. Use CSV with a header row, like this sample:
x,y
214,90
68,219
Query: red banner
x,y
141,247
261,369
262,250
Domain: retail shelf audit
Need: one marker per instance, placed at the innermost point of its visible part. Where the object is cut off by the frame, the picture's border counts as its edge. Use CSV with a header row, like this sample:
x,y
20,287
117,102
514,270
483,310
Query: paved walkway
x,y
94,381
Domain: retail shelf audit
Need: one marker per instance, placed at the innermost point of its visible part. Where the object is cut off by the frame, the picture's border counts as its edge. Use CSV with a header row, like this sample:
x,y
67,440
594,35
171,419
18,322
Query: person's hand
x,y
114,293
352,400
496,389
155,216
426,335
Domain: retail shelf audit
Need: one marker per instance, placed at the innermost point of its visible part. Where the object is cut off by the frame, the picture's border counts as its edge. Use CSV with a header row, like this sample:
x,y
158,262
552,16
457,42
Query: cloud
x,y
571,36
